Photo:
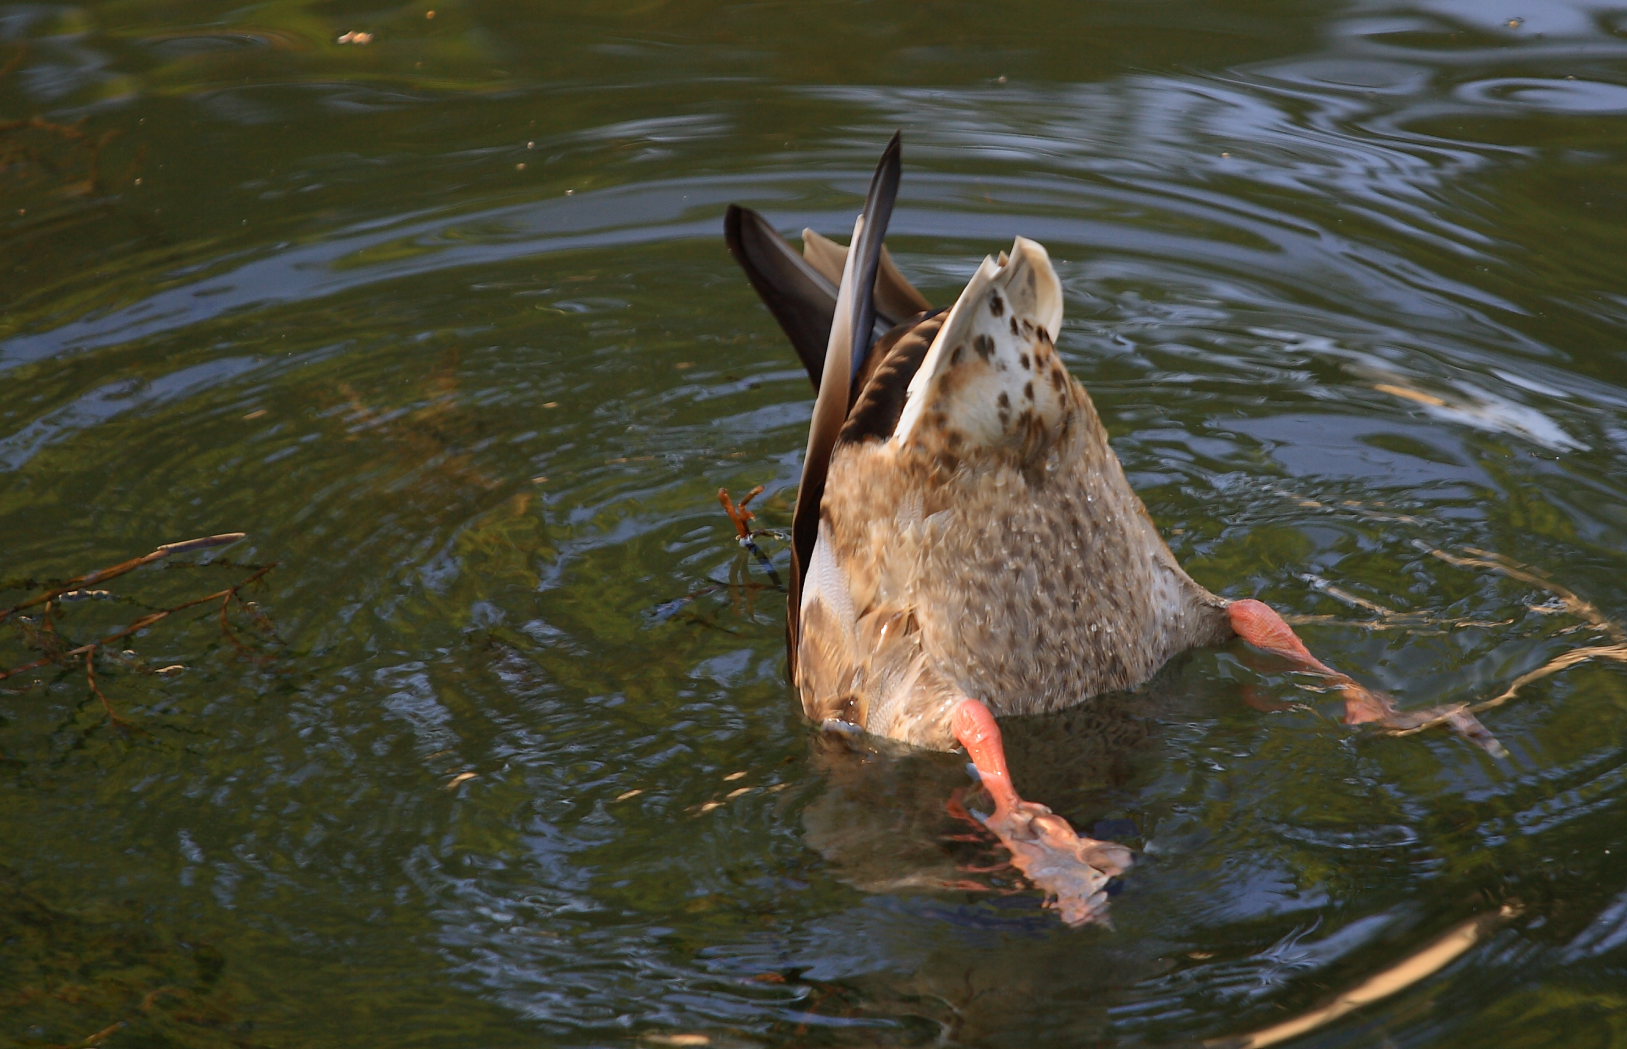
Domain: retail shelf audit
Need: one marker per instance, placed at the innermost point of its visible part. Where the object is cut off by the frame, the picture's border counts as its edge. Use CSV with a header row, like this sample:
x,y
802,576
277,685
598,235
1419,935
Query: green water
x,y
503,755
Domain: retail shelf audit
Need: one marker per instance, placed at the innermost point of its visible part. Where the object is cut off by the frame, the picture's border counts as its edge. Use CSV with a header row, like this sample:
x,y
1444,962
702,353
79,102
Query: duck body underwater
x,y
965,543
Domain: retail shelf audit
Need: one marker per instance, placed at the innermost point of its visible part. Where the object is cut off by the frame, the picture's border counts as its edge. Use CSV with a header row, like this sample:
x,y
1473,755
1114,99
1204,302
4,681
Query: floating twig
x,y
102,575
223,596
42,633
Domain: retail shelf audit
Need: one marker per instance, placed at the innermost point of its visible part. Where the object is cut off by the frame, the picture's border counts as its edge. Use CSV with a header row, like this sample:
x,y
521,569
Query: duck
x,y
965,544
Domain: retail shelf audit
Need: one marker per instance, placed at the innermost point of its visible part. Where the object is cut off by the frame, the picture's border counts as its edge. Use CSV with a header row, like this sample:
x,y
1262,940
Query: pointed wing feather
x,y
844,357
897,299
864,262
801,298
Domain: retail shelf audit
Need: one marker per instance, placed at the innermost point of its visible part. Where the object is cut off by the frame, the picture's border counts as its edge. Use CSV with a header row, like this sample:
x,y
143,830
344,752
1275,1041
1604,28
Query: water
x,y
443,322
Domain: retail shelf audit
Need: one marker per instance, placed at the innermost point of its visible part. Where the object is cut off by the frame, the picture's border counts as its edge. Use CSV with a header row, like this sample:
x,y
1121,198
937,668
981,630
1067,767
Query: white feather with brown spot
x,y
992,360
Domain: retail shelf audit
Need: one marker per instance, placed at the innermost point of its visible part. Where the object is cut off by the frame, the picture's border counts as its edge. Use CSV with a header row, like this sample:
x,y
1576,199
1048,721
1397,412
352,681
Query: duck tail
x,y
800,297
800,290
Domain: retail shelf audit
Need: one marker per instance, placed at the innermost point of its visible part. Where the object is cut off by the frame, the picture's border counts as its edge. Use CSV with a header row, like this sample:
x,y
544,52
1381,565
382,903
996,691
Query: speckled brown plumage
x,y
963,527
997,551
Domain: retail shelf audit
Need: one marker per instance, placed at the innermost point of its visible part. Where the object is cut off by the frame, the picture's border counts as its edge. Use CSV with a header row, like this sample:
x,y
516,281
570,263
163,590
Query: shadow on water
x,y
444,323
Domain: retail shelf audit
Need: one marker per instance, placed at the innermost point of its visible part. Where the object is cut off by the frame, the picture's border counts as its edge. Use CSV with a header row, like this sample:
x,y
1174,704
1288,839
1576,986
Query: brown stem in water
x,y
113,572
223,596
96,689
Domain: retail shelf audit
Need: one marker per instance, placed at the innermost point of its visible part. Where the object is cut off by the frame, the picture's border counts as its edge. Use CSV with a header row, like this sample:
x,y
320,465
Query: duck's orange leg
x,y
1259,624
1073,869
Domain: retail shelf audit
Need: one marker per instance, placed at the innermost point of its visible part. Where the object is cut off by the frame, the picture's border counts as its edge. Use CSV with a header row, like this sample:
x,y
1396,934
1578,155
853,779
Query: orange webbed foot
x,y
1072,869
1261,626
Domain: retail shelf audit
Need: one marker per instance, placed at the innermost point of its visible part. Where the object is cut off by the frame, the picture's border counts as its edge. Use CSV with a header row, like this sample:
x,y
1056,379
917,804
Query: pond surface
x,y
502,752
